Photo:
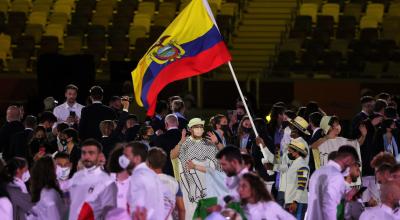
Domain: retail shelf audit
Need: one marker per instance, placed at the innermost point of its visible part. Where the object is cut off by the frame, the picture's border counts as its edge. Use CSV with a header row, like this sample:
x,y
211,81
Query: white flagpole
x,y
265,151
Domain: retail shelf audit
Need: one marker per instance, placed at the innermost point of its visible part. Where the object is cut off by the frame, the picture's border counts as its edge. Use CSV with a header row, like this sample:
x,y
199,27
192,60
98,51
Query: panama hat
x,y
300,124
298,146
195,121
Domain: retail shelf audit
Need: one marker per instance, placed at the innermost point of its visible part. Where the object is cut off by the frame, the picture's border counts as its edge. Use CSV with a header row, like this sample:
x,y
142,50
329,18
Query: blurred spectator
x,y
178,108
157,122
93,114
12,126
70,141
49,103
70,110
20,141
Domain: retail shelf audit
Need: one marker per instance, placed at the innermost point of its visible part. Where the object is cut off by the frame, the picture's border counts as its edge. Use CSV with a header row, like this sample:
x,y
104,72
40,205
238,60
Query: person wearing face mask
x,y
147,136
63,166
200,151
69,141
39,144
331,141
16,176
45,191
220,128
93,192
327,186
297,179
245,137
390,196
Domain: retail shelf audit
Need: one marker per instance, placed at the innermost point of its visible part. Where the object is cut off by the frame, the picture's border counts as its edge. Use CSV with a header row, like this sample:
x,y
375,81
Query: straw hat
x,y
298,146
324,124
300,124
195,121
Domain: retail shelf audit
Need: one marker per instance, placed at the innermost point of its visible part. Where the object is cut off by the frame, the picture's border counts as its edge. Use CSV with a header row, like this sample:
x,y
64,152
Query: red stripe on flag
x,y
86,212
185,68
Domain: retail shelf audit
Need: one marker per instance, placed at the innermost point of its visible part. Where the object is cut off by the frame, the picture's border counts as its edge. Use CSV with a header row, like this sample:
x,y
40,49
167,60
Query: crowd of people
x,y
101,162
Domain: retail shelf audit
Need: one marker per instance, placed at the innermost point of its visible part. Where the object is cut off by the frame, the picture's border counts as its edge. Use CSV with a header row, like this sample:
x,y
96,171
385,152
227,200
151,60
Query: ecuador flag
x,y
190,45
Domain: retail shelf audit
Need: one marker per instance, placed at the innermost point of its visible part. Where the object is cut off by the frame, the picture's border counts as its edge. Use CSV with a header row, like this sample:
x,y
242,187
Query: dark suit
x,y
157,124
258,156
20,144
6,133
91,116
183,122
314,137
167,142
131,134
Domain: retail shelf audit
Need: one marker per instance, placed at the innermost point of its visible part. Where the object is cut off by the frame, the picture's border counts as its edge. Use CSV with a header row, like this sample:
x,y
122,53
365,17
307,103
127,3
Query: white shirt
x,y
62,111
232,183
381,212
327,188
50,206
267,210
146,190
170,188
122,196
6,210
93,186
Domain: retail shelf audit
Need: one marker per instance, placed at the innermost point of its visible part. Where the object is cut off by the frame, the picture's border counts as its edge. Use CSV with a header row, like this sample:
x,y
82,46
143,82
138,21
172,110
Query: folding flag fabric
x,y
191,45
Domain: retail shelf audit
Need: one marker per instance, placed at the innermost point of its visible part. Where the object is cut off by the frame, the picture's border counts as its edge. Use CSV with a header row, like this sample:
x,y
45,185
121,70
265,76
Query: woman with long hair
x,y
220,127
45,191
15,175
70,141
245,136
257,202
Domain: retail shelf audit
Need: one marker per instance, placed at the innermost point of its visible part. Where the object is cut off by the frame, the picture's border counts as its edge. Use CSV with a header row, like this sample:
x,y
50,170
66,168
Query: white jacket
x,y
327,188
297,181
381,212
267,210
146,190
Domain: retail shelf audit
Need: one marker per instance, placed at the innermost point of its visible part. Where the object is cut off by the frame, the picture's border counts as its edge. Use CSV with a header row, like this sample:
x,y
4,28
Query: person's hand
x,y
39,155
372,202
125,102
212,137
159,132
140,214
363,130
214,208
377,120
183,137
292,207
190,165
259,141
268,166
350,194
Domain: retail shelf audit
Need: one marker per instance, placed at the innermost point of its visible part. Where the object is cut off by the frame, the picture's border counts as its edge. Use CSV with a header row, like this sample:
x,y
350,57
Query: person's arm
x,y
181,208
214,139
175,152
320,141
194,166
363,131
334,192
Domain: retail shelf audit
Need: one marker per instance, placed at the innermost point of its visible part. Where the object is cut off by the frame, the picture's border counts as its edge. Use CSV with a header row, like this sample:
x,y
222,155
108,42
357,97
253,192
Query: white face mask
x,y
198,132
62,172
123,161
25,176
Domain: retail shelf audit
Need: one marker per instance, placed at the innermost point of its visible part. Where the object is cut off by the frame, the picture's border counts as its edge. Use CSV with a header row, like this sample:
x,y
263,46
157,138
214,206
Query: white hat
x,y
301,124
195,121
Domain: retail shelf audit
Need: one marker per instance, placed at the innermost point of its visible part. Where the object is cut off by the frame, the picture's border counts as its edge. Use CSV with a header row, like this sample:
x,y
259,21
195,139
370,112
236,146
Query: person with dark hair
x,y
257,201
248,162
115,104
169,140
39,144
146,189
380,106
19,143
331,141
395,173
297,179
57,132
367,109
178,108
93,192
157,121
16,175
70,141
132,128
327,185
6,208
70,110
245,138
63,166
172,193
316,133
118,167
231,161
45,191
93,114
146,136
220,127
12,126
